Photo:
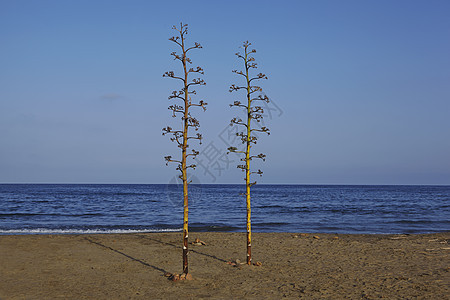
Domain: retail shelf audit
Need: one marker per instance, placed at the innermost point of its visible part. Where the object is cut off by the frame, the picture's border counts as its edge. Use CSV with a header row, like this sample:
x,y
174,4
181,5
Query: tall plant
x,y
180,108
250,123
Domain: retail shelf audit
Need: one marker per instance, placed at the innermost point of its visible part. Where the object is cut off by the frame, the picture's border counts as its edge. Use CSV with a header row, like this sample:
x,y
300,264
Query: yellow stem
x,y
183,164
247,164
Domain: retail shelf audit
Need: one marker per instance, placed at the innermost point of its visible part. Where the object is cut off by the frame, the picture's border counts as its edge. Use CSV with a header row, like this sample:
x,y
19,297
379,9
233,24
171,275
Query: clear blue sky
x,y
362,89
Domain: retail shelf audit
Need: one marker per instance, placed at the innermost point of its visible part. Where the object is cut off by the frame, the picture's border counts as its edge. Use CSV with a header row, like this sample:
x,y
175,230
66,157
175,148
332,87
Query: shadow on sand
x,y
127,256
190,248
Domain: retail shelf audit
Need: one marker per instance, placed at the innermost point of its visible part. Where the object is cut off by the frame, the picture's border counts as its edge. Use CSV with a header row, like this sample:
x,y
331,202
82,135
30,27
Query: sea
x,y
132,208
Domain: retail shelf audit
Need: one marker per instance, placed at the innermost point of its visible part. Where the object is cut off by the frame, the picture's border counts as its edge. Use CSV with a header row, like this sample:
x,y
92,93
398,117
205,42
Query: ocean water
x,y
91,208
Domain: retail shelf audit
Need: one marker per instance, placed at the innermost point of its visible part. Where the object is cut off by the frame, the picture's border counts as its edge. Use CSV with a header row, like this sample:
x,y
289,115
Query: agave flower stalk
x,y
181,108
253,113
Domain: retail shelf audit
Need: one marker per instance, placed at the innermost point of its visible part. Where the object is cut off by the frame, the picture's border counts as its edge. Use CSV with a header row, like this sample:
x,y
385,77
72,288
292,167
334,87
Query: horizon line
x,y
303,184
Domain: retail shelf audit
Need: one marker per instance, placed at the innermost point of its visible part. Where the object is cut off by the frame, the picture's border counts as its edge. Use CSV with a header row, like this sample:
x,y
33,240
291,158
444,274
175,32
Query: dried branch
x,y
169,159
194,153
256,109
197,70
176,56
177,94
171,74
235,88
234,150
260,156
238,104
254,89
259,172
200,104
193,122
243,167
197,137
239,72
262,98
176,109
259,76
262,129
175,40
239,55
196,81
196,46
237,121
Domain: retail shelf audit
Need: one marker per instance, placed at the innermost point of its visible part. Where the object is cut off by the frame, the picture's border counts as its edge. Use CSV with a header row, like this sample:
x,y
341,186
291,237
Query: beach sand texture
x,y
294,265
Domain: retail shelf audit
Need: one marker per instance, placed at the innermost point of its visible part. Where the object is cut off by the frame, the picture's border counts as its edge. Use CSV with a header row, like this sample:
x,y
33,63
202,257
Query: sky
x,y
360,90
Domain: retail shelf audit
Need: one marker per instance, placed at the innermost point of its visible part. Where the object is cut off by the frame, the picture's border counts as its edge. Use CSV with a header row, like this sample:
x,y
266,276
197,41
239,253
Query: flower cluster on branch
x,y
254,112
181,136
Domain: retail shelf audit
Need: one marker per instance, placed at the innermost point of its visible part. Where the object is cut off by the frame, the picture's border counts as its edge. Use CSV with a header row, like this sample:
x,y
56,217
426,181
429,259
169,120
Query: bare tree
x,y
181,137
253,112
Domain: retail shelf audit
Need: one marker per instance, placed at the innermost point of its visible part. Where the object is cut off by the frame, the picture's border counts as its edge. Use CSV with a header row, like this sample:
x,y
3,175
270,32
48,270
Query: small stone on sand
x,y
198,242
174,277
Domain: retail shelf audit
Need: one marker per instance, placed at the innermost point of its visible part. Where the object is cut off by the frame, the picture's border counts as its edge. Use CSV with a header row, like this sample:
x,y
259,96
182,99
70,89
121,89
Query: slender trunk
x,y
249,224
185,215
247,166
183,166
185,225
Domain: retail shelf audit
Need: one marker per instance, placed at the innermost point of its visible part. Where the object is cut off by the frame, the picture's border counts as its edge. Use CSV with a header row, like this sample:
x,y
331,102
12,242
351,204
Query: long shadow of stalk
x,y
127,256
190,249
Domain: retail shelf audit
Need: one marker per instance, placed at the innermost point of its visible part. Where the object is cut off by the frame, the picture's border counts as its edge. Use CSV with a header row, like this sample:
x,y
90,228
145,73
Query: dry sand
x,y
316,266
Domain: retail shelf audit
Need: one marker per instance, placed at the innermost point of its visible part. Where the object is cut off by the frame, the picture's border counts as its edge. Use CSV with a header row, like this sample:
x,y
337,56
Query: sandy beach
x,y
294,265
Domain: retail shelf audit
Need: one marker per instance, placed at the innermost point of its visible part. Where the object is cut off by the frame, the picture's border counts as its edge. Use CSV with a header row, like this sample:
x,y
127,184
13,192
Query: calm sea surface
x,y
82,208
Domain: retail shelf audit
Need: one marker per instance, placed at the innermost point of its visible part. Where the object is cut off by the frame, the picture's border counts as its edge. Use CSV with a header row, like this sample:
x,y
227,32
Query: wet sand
x,y
294,265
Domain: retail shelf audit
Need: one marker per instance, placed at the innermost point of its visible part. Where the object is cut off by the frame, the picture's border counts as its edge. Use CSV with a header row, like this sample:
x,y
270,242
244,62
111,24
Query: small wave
x,y
269,223
420,222
18,215
270,206
82,231
265,225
